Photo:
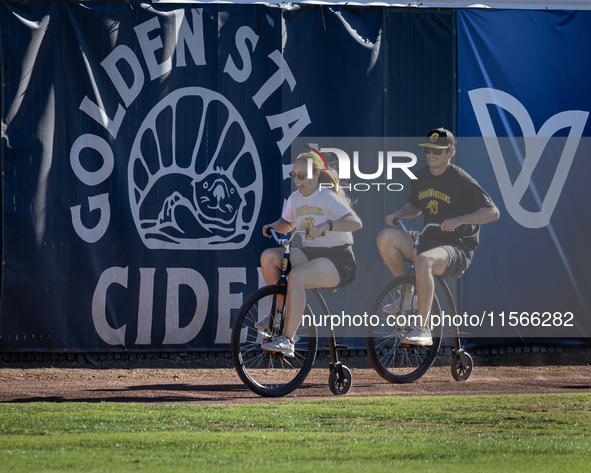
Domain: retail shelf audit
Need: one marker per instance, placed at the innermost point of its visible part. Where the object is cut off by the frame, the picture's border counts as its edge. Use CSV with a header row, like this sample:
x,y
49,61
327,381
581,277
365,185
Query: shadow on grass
x,y
116,395
218,393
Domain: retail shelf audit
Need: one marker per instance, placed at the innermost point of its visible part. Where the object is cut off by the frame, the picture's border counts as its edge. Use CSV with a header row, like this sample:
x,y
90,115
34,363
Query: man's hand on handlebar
x,y
450,224
392,220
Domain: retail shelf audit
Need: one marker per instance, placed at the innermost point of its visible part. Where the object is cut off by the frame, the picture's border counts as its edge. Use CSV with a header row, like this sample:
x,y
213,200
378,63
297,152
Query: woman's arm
x,y
280,226
347,223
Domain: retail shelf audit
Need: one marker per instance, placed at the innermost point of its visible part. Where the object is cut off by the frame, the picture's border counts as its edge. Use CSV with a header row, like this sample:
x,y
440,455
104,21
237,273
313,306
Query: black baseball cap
x,y
440,138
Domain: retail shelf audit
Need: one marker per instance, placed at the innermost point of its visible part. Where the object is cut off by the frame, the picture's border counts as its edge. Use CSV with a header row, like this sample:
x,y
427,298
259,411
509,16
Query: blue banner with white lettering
x,y
524,106
144,146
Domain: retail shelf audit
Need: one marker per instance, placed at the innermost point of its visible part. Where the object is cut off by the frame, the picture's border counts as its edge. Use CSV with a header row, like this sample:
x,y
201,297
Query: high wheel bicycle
x,y
273,374
393,360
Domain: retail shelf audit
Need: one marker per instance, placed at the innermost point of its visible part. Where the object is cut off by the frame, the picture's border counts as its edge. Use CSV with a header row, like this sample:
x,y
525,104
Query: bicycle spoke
x,y
267,373
397,313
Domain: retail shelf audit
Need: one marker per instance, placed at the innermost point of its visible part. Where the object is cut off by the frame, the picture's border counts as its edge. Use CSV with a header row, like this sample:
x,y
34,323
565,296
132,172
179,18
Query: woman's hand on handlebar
x,y
317,231
280,226
265,230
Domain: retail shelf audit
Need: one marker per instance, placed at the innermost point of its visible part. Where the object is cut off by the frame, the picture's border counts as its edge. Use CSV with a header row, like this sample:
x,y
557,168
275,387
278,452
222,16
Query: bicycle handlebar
x,y
396,221
271,232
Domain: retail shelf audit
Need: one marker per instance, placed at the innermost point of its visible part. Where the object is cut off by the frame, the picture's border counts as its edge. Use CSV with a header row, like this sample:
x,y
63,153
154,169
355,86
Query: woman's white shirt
x,y
309,211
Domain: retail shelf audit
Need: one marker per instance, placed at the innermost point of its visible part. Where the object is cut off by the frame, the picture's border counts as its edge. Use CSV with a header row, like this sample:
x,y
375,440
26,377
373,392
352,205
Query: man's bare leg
x,y
427,264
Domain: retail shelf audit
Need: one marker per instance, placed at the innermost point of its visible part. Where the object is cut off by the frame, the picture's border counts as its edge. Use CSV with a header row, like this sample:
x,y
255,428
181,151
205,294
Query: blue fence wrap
x,y
144,146
524,74
143,149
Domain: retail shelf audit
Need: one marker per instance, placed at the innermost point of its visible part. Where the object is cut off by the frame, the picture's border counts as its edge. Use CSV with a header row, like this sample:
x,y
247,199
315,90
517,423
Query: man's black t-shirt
x,y
451,194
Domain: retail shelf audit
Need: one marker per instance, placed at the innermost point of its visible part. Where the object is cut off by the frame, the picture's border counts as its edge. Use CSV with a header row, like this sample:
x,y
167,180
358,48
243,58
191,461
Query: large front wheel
x,y
266,373
397,313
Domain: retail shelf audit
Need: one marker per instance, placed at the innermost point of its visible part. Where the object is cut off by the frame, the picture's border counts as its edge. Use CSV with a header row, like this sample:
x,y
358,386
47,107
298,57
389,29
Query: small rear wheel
x,y
340,384
461,371
267,373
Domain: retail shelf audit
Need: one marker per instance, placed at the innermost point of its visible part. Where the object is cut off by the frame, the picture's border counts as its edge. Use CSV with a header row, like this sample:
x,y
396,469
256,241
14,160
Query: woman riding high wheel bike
x,y
326,260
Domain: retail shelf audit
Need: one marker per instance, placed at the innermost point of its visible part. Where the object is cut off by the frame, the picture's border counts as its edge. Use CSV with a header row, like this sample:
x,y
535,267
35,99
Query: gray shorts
x,y
459,259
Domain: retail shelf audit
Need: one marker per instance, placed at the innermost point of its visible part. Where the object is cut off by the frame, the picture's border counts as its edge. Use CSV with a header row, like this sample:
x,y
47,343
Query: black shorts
x,y
341,256
459,258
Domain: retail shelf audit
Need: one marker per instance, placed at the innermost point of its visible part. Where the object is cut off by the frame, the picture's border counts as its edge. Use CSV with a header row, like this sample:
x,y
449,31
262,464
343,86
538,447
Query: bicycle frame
x,y
415,241
273,372
332,346
284,265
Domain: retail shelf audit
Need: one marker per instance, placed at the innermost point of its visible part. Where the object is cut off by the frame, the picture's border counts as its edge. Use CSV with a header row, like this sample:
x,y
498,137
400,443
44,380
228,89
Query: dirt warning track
x,y
217,382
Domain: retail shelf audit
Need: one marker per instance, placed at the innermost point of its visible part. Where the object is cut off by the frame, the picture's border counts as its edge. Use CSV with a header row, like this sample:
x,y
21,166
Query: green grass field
x,y
473,433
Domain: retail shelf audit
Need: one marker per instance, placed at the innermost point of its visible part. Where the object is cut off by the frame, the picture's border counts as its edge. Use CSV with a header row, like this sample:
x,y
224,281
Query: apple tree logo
x,y
195,178
535,143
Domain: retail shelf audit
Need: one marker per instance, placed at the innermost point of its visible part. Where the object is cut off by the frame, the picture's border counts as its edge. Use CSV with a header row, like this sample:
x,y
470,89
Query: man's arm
x,y
481,216
408,211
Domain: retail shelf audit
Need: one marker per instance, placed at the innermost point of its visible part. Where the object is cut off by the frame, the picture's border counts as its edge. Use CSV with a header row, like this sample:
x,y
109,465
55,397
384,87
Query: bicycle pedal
x,y
278,354
338,347
461,334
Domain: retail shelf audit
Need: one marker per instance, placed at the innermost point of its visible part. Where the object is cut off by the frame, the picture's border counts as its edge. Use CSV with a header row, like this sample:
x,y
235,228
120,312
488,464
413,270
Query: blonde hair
x,y
327,175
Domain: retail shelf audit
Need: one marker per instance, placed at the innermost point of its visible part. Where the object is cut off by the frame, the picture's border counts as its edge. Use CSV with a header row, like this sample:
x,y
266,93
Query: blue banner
x,y
144,146
524,88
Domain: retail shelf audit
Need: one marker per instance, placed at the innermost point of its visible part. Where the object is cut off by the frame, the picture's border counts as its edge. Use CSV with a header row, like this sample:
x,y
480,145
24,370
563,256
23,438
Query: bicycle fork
x,y
332,345
455,332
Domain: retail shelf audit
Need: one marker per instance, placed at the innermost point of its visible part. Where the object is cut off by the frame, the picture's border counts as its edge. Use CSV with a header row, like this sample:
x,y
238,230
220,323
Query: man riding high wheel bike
x,y
446,195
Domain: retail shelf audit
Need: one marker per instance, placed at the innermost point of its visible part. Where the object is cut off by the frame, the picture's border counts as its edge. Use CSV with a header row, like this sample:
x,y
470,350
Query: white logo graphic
x,y
535,143
195,142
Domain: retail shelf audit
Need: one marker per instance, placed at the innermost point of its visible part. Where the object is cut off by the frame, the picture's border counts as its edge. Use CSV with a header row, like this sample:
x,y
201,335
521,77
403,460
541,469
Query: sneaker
x,y
264,323
281,345
419,336
410,301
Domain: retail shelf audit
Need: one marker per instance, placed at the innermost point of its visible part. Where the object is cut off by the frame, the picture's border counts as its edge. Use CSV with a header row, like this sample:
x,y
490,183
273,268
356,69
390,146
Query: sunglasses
x,y
302,176
435,151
